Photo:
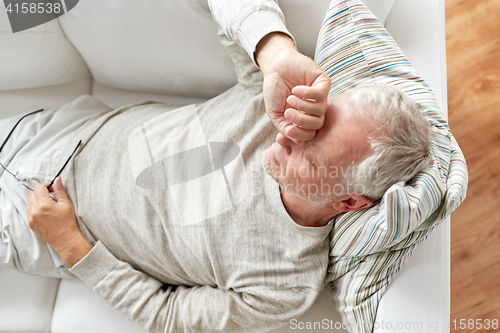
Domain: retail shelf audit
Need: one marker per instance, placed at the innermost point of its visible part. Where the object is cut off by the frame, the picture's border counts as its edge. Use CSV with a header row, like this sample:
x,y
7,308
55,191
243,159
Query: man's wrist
x,y
270,47
76,251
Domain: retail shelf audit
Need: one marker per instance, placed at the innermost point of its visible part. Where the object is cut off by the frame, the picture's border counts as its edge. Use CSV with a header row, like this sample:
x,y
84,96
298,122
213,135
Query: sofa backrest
x,y
156,46
37,57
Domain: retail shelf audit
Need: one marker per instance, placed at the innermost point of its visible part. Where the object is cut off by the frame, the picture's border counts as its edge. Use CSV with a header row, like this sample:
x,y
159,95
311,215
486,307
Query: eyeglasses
x,y
23,180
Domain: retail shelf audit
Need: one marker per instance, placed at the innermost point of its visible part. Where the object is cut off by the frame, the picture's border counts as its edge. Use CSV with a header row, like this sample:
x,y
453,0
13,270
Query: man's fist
x,y
295,88
55,223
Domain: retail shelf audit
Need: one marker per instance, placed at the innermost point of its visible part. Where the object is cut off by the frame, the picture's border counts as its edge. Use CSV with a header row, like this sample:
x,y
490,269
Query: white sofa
x,y
129,51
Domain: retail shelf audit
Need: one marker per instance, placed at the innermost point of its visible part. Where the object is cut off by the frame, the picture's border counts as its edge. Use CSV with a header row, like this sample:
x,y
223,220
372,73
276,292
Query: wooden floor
x,y
473,48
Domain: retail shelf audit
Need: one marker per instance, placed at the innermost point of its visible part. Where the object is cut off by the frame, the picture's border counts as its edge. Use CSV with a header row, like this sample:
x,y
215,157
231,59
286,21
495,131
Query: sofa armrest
x,y
419,29
419,296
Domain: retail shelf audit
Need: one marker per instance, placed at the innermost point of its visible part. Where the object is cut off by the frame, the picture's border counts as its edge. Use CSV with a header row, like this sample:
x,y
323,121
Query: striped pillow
x,y
369,246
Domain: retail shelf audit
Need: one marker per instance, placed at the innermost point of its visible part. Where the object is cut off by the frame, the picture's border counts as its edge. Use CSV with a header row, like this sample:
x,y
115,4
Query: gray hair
x,y
400,140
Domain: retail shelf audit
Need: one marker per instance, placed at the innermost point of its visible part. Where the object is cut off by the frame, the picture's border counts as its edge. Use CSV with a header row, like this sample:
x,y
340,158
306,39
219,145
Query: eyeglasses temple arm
x,y
67,161
13,128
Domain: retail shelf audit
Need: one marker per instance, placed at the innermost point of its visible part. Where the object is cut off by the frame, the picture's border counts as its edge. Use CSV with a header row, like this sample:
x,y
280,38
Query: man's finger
x,y
315,93
296,134
59,191
310,107
42,193
304,120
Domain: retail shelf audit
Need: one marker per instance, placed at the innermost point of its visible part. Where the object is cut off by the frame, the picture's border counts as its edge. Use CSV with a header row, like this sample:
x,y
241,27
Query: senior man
x,y
182,235
251,267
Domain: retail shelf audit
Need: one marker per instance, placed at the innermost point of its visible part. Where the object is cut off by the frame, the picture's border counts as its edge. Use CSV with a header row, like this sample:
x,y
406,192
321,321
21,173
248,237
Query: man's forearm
x,y
76,251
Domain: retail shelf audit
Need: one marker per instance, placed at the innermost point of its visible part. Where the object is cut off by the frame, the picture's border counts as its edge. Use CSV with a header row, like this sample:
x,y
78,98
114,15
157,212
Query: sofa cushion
x,y
26,302
37,57
115,98
151,46
20,101
172,47
303,19
79,310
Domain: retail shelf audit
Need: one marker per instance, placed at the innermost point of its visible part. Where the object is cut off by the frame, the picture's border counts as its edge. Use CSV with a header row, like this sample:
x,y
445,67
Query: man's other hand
x,y
295,88
54,221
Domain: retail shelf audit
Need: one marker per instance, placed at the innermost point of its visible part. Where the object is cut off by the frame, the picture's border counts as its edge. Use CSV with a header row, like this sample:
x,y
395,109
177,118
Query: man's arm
x,y
295,88
144,299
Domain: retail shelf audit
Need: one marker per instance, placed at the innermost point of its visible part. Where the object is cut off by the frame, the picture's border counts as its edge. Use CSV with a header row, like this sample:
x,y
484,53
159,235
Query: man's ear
x,y
353,202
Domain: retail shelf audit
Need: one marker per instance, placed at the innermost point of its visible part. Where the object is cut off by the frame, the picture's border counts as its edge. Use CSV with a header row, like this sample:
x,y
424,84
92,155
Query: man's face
x,y
312,170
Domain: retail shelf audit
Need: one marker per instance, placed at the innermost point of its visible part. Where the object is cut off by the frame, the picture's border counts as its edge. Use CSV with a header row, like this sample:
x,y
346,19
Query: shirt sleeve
x,y
248,21
160,308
